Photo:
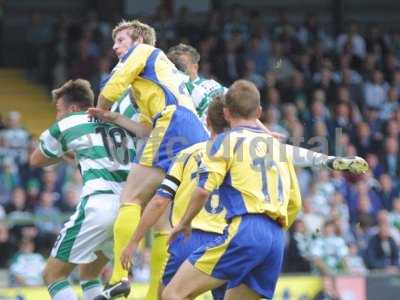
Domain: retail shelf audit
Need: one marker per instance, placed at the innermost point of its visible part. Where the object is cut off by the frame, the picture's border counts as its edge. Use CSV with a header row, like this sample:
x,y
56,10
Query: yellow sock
x,y
124,226
158,259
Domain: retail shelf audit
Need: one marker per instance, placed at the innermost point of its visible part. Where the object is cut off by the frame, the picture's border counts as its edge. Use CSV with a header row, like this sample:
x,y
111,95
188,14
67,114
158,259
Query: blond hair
x,y
175,53
77,92
137,29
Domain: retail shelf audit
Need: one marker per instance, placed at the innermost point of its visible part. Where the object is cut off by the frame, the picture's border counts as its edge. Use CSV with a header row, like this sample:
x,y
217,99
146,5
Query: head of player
x,y
76,135
242,104
127,33
216,122
73,96
186,59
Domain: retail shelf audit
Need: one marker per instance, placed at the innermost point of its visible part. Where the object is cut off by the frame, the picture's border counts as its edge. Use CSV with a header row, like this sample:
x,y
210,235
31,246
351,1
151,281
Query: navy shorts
x,y
175,129
250,252
180,249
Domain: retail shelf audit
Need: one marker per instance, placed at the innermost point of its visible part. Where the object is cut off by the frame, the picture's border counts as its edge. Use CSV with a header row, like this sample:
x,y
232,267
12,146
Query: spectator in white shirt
x,y
15,138
390,106
375,91
27,266
354,39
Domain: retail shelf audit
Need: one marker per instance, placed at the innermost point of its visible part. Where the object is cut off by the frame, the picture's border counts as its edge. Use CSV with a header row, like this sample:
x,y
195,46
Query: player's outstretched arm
x,y
151,214
139,129
195,205
272,133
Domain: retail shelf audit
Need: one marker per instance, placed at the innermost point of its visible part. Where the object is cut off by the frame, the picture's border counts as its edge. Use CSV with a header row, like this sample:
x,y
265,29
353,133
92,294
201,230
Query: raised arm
x,y
104,103
141,130
272,133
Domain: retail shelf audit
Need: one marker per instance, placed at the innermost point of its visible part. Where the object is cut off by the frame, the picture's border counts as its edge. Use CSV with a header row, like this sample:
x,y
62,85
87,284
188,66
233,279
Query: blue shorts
x,y
180,249
176,128
250,252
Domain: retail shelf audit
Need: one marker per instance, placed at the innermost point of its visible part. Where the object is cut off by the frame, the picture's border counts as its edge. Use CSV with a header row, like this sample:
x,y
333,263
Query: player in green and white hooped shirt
x,y
186,58
104,153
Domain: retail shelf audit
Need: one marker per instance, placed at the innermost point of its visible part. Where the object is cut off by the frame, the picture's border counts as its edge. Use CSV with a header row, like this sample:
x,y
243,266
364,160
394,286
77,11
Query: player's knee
x,y
47,276
88,273
51,274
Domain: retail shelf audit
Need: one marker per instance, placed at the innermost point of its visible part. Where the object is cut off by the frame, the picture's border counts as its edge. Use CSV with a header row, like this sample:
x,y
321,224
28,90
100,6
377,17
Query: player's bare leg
x,y
56,270
55,276
241,292
141,184
89,276
188,283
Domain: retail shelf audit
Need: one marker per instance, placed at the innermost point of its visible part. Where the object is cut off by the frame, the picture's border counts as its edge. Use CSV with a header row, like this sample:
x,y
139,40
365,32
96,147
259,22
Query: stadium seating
x,y
32,101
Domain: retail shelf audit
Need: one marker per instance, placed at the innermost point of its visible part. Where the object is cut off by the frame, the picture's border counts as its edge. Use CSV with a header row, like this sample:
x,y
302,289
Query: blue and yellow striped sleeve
x,y
214,165
133,65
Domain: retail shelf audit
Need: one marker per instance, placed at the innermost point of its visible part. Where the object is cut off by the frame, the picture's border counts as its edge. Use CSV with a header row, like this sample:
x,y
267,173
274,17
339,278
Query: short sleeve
x,y
215,164
49,143
173,179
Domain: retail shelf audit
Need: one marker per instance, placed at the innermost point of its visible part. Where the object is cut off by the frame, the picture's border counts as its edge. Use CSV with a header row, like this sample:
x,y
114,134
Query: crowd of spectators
x,y
338,94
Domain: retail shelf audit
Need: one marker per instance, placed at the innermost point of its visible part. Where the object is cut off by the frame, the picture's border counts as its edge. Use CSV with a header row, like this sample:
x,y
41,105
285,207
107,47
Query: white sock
x,y
91,289
61,290
304,158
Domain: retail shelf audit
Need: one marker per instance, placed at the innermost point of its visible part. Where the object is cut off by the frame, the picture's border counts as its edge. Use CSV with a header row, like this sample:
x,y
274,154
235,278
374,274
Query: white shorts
x,y
88,230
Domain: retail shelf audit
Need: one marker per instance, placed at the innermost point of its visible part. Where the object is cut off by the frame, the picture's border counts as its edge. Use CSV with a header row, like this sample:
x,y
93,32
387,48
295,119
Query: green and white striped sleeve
x,y
49,142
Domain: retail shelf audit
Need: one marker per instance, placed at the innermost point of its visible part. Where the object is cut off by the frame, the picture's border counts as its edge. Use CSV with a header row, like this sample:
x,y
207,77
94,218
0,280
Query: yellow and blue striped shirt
x,y
254,175
154,80
179,184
